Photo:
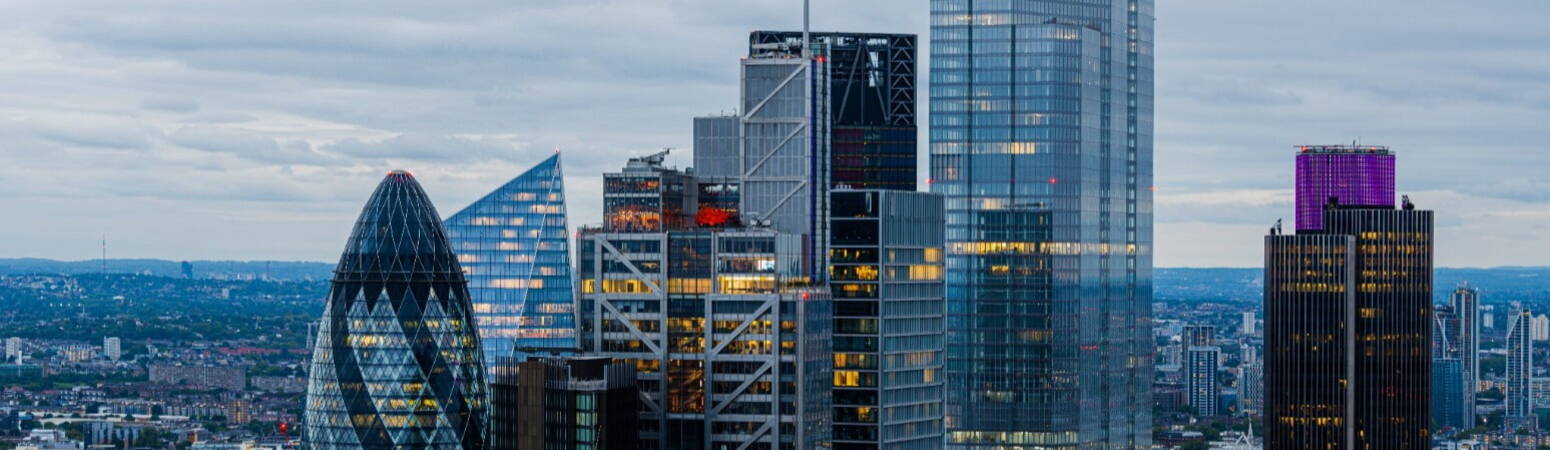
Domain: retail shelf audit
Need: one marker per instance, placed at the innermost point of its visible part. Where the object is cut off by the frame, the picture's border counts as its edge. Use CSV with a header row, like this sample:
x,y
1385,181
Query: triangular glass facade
x,y
513,246
396,362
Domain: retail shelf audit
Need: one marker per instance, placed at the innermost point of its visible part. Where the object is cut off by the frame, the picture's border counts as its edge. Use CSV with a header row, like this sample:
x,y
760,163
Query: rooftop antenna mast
x,y
807,36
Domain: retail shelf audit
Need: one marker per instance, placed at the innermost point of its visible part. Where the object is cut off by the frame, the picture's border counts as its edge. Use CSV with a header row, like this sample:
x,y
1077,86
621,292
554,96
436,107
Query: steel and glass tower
x,y
872,103
397,362
514,248
1044,106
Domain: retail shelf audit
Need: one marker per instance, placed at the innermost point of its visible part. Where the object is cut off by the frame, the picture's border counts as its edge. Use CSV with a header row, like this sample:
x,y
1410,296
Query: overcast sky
x,y
256,129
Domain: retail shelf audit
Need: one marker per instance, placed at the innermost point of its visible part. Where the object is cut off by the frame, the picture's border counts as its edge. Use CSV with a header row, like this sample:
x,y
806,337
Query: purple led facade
x,y
1356,176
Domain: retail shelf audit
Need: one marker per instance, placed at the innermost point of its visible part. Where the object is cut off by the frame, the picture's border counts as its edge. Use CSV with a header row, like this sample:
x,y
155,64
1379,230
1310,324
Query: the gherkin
x,y
397,362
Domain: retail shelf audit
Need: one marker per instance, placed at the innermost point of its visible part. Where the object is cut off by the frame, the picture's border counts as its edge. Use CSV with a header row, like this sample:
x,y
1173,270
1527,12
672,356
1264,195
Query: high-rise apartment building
x,y
1343,175
872,103
398,362
1248,327
1251,385
563,403
886,275
728,330
112,348
515,253
13,349
1044,107
1519,395
1200,363
1347,356
1465,305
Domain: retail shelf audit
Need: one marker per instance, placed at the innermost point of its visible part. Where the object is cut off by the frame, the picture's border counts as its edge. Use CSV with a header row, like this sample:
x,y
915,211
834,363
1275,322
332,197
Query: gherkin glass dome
x,y
397,362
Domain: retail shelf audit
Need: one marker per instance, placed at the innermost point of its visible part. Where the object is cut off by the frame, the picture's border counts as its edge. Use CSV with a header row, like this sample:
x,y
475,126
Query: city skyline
x,y
264,169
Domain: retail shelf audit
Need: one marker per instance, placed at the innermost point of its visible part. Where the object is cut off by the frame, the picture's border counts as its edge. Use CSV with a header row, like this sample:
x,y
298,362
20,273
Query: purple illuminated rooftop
x,y
1351,175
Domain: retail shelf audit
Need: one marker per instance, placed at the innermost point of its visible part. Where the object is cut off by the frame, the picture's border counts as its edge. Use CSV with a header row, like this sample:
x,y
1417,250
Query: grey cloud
x,y
249,145
441,149
171,104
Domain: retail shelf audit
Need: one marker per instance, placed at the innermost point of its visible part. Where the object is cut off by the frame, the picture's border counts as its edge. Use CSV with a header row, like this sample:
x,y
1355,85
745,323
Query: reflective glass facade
x,y
515,252
1043,109
397,361
1351,176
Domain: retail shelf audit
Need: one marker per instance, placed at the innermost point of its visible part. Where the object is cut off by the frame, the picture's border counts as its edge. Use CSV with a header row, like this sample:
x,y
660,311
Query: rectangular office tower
x,y
886,275
1200,357
1044,107
872,103
1348,320
729,334
563,403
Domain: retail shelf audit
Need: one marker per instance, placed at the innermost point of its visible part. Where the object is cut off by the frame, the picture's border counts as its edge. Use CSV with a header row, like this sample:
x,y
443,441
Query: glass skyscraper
x,y
1347,175
513,246
397,362
1043,108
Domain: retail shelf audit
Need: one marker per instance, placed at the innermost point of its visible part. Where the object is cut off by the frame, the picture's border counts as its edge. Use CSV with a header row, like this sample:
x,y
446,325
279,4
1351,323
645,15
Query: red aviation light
x,y
1053,180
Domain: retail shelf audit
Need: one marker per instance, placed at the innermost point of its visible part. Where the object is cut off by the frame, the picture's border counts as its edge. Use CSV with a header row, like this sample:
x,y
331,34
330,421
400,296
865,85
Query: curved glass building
x,y
514,250
397,362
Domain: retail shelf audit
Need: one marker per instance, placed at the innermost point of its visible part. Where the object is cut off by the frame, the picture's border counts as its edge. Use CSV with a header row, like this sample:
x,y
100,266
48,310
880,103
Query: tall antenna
x,y
807,35
104,253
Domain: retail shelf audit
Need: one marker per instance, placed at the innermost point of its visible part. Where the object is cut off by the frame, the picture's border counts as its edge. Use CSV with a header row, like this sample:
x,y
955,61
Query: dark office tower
x,y
1200,357
1047,102
1344,175
872,103
563,403
1466,309
1519,396
1348,331
886,275
188,270
397,362
514,248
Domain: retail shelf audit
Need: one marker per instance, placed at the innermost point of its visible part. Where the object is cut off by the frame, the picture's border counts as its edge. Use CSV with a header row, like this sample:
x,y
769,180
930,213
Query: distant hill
x,y
1236,285
276,270
1246,285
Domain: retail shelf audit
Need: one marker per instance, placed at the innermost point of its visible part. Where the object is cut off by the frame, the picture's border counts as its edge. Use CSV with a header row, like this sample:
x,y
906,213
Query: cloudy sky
x,y
255,130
